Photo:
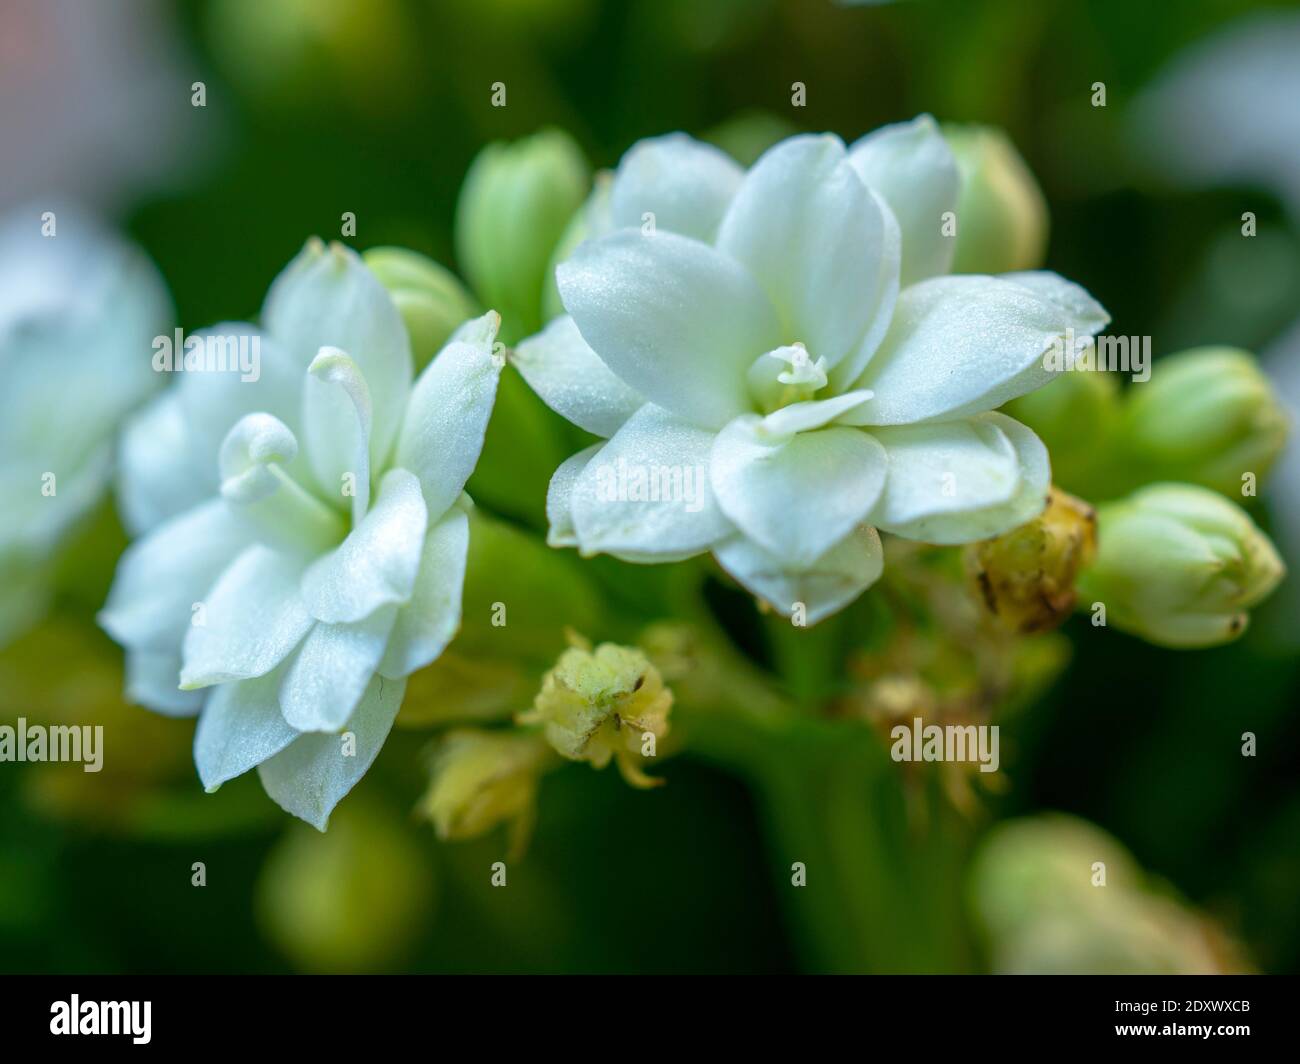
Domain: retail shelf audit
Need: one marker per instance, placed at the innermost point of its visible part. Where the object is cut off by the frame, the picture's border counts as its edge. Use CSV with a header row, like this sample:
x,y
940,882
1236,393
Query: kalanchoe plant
x,y
782,366
302,535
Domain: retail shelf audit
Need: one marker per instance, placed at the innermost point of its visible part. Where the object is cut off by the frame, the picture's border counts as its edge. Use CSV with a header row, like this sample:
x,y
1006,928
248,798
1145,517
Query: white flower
x,y
78,311
303,535
790,334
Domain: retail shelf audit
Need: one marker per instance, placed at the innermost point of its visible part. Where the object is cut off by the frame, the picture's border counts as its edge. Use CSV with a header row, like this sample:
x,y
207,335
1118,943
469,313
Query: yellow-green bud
x,y
1179,565
603,704
1076,416
1001,212
482,779
430,298
1208,416
1025,578
514,206
1057,895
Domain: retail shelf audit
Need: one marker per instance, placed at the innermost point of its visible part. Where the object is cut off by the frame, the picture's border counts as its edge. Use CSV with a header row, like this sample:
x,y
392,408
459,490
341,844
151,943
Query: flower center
x,y
784,376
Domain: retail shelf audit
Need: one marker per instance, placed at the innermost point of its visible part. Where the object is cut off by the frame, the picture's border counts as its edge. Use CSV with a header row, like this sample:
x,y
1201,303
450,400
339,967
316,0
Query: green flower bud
x,y
1056,895
1179,566
485,778
1208,416
352,899
430,298
1001,212
1025,578
514,206
603,704
1076,416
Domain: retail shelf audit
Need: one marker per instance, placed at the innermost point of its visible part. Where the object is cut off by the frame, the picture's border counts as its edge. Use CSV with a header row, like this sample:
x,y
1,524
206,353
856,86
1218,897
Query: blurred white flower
x,y
303,536
791,334
78,311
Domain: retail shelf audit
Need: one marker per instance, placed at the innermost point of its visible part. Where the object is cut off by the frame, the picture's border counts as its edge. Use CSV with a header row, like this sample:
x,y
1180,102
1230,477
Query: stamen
x,y
335,367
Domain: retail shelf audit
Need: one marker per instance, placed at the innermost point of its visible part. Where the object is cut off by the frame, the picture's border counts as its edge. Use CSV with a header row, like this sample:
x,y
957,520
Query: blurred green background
x,y
378,107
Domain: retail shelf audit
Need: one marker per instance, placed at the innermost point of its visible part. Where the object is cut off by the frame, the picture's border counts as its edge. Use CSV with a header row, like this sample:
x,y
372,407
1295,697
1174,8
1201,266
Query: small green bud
x,y
484,778
1208,416
1025,578
1076,416
514,206
1001,212
603,704
1179,566
430,298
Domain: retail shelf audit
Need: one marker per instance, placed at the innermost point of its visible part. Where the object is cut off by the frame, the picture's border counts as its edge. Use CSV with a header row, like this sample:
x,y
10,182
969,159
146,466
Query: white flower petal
x,y
327,297
252,618
160,577
813,414
910,165
1075,300
944,468
571,379
158,474
426,624
677,320
310,776
647,492
377,564
559,497
827,585
240,727
153,681
816,239
685,184
967,525
961,345
331,671
796,496
448,415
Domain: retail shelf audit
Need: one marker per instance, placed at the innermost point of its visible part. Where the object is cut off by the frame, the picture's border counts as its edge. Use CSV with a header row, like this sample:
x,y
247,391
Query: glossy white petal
x,y
559,497
825,586
677,320
251,619
442,434
685,184
815,238
240,727
331,671
910,165
571,379
647,492
980,505
426,624
327,297
1078,304
962,345
153,681
161,577
158,474
310,776
813,414
377,564
338,422
796,496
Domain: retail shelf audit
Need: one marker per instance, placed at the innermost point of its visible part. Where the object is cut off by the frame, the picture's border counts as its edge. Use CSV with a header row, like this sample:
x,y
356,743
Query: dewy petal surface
x,y
796,496
443,431
910,165
559,497
311,775
812,234
646,493
376,565
961,345
684,183
240,727
331,671
677,320
571,379
983,522
828,584
252,618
